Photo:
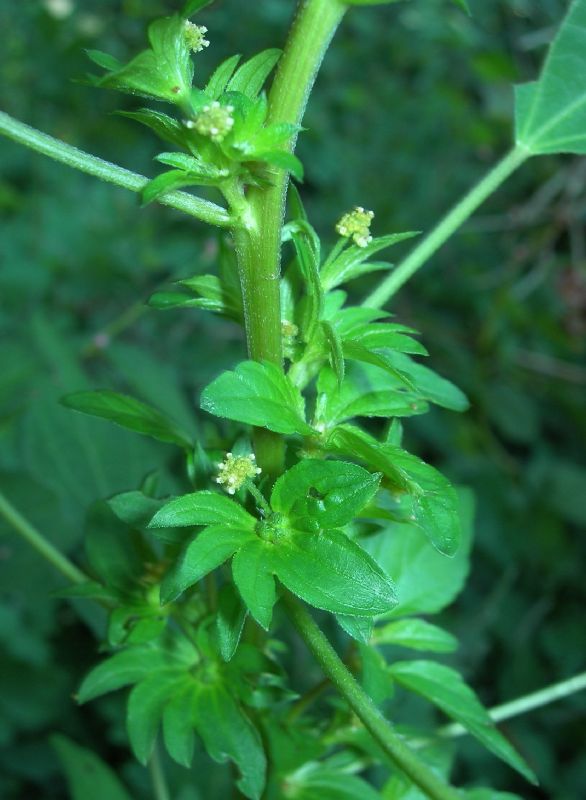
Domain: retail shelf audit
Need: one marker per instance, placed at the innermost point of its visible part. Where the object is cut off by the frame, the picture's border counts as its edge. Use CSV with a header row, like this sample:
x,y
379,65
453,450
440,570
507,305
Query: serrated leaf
x,y
207,551
348,262
203,508
251,569
387,336
416,634
356,351
88,777
429,385
445,688
330,571
550,114
228,734
257,393
250,77
230,618
191,7
167,128
178,730
130,413
329,493
144,713
281,159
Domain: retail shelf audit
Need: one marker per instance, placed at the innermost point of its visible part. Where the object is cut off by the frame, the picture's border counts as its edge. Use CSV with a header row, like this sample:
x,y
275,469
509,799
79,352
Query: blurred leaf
x,y
416,634
88,777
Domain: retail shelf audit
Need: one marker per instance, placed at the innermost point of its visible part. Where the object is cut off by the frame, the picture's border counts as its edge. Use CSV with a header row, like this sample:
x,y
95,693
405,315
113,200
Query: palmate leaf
x,y
257,393
445,688
129,413
550,114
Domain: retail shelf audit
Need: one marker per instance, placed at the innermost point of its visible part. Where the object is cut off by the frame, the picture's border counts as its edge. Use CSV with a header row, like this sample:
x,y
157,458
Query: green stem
x,y
158,781
111,173
528,702
379,728
259,246
40,544
446,227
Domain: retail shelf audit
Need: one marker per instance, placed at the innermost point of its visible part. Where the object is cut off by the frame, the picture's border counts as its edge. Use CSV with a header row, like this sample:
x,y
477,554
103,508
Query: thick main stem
x,y
446,227
111,173
400,755
259,247
23,527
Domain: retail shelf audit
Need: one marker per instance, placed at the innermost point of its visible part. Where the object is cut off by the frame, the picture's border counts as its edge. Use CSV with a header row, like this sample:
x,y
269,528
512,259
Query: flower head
x,y
215,121
195,37
356,224
234,471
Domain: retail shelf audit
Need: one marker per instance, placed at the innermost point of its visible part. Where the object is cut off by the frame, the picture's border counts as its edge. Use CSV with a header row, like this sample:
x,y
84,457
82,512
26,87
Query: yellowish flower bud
x,y
356,225
195,37
234,471
215,121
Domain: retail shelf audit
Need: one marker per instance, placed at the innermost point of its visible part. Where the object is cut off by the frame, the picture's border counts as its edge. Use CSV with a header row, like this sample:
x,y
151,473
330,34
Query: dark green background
x,y
414,103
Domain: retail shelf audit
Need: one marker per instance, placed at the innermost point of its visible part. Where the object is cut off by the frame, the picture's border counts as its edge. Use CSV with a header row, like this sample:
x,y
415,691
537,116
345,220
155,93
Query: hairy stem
x,y
111,173
446,227
380,729
259,247
40,544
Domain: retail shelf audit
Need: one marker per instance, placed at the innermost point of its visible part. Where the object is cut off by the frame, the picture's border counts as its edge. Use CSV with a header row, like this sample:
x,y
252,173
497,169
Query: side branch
x,y
111,173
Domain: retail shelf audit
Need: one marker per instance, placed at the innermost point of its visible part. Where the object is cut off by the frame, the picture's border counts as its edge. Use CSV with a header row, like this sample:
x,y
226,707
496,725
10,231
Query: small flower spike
x,y
215,121
356,224
195,37
234,471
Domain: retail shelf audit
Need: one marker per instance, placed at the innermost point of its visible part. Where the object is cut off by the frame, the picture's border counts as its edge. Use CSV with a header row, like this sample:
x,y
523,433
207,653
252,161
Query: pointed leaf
x,y
337,271
230,618
336,352
88,777
178,730
203,508
416,634
128,412
251,569
216,85
250,77
331,572
445,688
257,393
146,703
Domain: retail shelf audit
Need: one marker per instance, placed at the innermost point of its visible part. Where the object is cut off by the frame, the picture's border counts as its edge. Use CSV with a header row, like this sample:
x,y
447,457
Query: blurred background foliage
x,y
414,103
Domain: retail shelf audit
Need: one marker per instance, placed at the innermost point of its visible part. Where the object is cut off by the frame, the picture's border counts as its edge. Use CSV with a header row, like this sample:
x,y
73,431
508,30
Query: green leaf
x,y
203,508
347,264
208,550
227,733
279,158
216,85
307,250
257,393
356,351
426,580
251,569
316,781
144,713
550,114
359,628
230,618
104,60
166,128
128,412
331,572
445,688
193,6
123,668
250,77
330,493
490,794
178,730
88,777
134,508
378,336
367,391
336,353
164,72
416,634
430,386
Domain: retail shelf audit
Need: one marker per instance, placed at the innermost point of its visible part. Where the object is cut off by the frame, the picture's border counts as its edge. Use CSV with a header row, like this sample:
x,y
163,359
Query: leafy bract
x,y
250,76
330,493
130,413
352,262
550,114
257,394
331,572
208,550
445,688
229,620
203,508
